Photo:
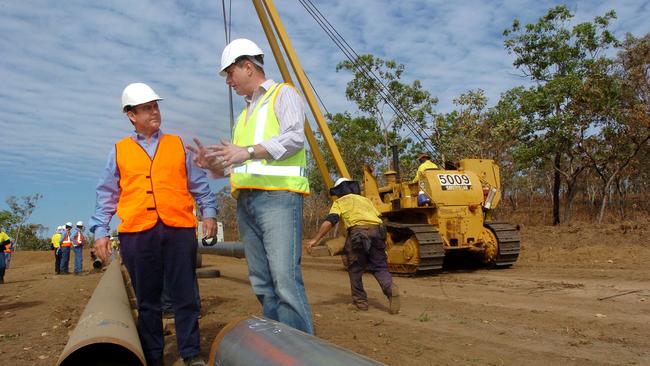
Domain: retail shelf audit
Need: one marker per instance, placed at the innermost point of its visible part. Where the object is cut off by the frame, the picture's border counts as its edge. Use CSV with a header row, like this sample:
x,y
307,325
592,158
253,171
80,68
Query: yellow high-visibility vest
x,y
288,174
56,238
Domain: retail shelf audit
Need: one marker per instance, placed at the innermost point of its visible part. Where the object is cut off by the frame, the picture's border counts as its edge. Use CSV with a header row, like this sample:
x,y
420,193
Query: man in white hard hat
x,y
65,246
267,176
152,185
78,244
365,244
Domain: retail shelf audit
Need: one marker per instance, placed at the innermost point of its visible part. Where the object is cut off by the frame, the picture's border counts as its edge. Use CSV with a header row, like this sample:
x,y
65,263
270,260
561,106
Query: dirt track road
x,y
546,310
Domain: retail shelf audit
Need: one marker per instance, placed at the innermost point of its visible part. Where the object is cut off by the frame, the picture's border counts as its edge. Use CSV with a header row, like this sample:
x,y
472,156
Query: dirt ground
x,y
578,295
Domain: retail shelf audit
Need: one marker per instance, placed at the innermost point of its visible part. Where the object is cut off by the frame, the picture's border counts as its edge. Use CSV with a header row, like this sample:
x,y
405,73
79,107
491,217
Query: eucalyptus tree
x,y
557,58
615,99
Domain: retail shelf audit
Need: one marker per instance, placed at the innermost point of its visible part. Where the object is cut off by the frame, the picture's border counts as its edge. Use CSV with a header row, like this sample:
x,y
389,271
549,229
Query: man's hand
x,y
209,226
103,249
200,155
229,153
311,243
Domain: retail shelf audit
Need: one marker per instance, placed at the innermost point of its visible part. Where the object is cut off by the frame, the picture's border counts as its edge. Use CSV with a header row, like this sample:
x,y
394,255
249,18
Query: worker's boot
x,y
361,304
393,300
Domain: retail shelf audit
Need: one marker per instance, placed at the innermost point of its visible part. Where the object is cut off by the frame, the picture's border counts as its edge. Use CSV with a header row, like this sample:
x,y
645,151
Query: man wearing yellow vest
x,y
66,244
4,240
56,246
152,185
267,175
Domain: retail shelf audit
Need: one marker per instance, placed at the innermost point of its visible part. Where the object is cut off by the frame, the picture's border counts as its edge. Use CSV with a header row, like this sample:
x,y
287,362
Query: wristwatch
x,y
251,152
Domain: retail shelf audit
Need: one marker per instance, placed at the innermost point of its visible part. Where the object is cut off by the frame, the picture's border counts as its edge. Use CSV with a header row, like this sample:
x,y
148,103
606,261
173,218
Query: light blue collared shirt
x,y
108,188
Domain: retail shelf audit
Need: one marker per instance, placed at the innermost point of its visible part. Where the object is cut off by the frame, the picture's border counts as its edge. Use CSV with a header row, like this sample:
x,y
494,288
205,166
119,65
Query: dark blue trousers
x,y
165,253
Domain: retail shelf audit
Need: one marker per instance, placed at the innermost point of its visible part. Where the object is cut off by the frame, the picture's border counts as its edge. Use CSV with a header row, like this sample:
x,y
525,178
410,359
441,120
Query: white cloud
x,y
65,63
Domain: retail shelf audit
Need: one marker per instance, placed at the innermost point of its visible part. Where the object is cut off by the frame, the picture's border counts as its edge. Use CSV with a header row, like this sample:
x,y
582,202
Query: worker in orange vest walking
x,y
151,183
65,244
78,243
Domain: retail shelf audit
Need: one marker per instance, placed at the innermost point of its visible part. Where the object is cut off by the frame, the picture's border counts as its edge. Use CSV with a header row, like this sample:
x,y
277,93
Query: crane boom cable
x,y
352,56
345,47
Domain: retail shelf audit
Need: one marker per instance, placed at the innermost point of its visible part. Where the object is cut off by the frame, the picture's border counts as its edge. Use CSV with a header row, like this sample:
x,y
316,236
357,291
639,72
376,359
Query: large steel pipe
x,y
105,334
259,341
224,248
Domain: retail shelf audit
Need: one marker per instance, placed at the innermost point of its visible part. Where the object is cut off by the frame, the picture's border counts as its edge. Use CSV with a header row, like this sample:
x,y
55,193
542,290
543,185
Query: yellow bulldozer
x,y
447,212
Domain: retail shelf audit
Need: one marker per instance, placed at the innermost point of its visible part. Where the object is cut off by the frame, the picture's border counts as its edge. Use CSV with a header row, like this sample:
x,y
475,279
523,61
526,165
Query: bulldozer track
x,y
432,253
508,239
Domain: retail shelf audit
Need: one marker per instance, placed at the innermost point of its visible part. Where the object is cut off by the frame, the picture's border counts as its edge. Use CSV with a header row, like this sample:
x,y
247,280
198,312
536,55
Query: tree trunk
x,y
572,184
556,189
603,204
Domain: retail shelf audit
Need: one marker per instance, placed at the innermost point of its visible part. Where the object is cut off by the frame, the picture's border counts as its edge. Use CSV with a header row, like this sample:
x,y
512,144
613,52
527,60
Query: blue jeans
x,y
65,260
270,226
78,258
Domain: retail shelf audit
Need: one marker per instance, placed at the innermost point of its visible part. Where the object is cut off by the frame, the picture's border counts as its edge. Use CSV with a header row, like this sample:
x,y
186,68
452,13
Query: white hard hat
x,y
68,224
341,180
235,49
80,223
59,227
136,94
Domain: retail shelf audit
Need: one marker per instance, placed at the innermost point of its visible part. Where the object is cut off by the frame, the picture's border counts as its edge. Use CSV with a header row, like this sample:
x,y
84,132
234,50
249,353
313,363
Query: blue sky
x,y
64,64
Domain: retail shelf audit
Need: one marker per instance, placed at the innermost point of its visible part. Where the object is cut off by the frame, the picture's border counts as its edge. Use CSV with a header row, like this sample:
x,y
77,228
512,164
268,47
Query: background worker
x,y
65,244
425,164
267,160
365,245
78,243
152,185
9,249
4,240
56,246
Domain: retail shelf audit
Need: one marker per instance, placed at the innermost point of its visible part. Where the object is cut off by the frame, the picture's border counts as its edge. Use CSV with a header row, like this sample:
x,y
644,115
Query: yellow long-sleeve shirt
x,y
428,164
56,238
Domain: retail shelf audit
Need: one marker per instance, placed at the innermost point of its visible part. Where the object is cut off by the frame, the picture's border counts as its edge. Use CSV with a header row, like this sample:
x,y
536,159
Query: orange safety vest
x,y
80,238
152,190
66,240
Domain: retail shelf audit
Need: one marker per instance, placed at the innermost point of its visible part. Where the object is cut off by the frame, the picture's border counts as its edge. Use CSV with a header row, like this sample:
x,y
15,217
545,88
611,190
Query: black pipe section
x,y
224,248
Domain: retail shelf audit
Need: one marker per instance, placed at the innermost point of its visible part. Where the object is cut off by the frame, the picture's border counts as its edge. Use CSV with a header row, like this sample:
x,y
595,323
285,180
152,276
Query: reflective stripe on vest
x,y
287,174
79,239
66,240
153,189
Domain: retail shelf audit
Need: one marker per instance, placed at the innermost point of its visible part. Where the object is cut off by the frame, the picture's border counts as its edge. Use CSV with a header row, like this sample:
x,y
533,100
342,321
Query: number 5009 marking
x,y
454,180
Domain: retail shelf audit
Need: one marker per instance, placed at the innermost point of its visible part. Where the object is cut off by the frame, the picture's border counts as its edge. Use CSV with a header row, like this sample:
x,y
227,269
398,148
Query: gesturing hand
x,y
201,158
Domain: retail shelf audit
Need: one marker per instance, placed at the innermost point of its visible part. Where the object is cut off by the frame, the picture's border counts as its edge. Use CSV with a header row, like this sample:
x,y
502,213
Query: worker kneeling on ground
x,y
365,245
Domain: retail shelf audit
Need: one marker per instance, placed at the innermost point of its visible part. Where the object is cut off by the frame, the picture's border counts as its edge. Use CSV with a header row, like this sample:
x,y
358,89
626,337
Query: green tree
x,y
20,209
400,110
616,100
557,59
